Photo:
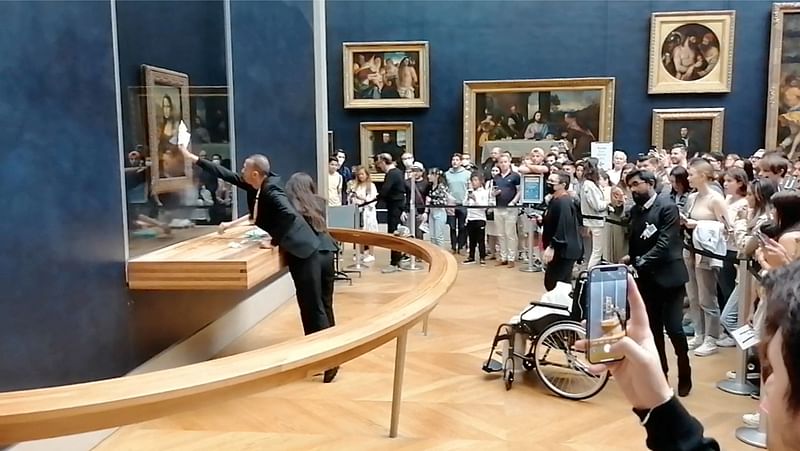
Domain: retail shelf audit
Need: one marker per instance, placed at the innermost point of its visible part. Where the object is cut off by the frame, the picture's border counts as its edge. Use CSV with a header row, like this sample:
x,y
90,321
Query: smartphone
x,y
608,311
762,239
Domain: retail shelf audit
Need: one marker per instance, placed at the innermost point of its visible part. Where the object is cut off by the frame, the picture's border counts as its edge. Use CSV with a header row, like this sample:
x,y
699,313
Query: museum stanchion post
x,y
740,386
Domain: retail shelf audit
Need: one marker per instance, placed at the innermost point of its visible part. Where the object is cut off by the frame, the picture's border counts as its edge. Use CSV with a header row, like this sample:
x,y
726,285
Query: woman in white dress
x,y
364,191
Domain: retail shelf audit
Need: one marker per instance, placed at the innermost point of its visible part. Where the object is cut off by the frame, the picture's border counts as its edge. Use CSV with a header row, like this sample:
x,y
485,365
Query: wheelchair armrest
x,y
547,304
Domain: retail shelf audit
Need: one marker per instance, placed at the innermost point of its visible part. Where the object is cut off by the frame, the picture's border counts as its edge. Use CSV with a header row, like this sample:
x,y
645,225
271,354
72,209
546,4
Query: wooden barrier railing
x,y
69,409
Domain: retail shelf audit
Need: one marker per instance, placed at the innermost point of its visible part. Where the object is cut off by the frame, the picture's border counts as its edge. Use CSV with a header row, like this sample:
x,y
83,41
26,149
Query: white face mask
x,y
407,162
340,160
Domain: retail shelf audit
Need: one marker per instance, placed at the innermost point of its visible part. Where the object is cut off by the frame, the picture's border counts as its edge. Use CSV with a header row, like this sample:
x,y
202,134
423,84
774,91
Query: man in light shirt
x,y
335,183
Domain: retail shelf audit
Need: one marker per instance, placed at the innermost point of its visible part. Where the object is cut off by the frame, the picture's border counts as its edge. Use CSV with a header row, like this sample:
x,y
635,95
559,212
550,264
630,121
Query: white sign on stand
x,y
604,152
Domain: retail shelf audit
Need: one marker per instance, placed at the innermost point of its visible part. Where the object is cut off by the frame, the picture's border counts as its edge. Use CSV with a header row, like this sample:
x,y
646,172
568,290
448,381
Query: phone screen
x,y
608,311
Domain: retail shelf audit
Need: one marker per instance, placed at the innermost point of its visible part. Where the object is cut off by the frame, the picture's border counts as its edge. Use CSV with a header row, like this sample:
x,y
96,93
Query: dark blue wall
x,y
472,40
273,84
185,36
63,308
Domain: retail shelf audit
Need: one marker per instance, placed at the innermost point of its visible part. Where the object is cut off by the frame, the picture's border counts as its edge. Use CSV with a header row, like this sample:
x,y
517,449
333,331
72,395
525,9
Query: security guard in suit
x,y
655,251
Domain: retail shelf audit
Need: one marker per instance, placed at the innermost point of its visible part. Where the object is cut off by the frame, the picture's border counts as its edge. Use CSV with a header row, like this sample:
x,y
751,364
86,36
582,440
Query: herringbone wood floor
x,y
448,403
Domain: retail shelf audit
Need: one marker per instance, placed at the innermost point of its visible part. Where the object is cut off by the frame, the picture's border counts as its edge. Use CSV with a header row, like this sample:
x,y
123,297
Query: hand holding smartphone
x,y
608,311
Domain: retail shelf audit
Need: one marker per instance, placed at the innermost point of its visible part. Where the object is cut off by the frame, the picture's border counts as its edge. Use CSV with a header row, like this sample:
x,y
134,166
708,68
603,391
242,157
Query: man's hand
x,y
626,260
548,255
187,154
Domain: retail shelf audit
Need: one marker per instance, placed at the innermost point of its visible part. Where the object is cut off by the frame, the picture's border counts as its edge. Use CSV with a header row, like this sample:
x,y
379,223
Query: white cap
x,y
418,166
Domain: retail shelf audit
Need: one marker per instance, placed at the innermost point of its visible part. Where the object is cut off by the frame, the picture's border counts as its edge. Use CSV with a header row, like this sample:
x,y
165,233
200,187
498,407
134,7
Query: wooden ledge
x,y
208,262
70,409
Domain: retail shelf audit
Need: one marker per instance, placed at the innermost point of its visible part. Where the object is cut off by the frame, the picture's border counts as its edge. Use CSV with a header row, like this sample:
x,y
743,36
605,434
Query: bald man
x,y
308,254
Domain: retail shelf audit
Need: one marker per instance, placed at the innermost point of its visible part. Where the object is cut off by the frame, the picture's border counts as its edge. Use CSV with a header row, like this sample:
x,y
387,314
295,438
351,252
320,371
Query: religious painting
x,y
783,99
691,52
166,105
394,138
699,130
386,75
518,115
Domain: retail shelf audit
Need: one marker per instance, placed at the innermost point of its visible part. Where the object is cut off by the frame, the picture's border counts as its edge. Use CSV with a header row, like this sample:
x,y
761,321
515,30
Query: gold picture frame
x,y
585,101
371,76
678,38
163,89
704,129
783,94
401,140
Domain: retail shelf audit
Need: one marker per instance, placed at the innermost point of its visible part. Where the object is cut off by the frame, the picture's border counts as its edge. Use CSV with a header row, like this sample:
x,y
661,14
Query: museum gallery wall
x,y
477,41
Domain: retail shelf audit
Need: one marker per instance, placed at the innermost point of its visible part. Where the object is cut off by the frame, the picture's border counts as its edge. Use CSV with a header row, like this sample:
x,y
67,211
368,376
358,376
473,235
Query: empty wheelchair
x,y
542,339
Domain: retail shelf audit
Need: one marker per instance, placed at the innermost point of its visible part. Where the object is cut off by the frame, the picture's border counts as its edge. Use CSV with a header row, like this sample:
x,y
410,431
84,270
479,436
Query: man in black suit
x,y
393,194
655,251
308,254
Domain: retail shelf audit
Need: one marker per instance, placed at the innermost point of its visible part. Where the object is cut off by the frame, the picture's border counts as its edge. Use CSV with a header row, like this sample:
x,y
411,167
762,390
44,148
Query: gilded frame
x,y
606,86
719,79
774,91
349,49
365,133
155,77
715,115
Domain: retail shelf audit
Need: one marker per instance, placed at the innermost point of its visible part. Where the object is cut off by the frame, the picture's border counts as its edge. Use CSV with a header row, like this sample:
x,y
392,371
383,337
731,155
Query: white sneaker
x,y
695,342
731,375
708,347
726,342
368,259
751,419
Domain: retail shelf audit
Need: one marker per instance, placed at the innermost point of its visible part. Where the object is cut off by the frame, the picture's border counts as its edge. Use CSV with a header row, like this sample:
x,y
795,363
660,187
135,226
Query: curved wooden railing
x,y
68,409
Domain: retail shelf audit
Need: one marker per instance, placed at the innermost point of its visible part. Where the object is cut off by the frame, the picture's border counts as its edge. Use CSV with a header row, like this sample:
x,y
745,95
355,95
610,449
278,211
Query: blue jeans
x,y
437,220
730,314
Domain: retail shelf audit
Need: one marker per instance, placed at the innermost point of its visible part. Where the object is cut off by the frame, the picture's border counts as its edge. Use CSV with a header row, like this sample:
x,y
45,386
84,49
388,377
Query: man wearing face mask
x,y
560,232
655,252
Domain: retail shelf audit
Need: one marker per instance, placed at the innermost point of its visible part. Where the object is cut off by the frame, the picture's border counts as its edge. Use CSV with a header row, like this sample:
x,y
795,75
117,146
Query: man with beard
x,y
655,252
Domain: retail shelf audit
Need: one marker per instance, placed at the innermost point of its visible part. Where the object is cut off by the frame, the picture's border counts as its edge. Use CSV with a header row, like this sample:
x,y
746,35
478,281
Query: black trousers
x,y
476,231
394,210
558,270
665,311
726,280
458,233
313,282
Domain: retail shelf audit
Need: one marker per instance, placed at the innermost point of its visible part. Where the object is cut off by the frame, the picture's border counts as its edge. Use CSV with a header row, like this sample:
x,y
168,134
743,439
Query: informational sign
x,y
604,152
745,337
532,189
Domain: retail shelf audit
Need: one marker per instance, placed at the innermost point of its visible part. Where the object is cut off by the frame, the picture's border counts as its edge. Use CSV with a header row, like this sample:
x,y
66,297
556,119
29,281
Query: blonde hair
x,y
369,176
703,167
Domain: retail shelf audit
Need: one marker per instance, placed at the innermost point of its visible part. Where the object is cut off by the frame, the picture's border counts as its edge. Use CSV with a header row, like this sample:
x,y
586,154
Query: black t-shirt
x,y
508,187
394,187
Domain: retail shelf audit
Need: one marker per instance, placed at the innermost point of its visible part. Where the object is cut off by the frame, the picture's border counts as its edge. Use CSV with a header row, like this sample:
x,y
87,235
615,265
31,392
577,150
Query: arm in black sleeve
x,y
671,428
386,187
668,234
224,173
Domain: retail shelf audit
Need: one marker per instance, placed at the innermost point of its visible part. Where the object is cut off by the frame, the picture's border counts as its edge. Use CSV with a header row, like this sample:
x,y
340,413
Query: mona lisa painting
x,y
166,105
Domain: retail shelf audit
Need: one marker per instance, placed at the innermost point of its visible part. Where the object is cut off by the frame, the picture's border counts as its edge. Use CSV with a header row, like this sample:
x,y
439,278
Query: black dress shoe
x,y
330,375
684,388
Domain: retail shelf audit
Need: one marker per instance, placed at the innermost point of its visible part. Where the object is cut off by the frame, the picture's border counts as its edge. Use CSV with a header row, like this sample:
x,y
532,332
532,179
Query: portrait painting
x,y
783,99
166,105
698,130
518,115
394,138
386,75
691,52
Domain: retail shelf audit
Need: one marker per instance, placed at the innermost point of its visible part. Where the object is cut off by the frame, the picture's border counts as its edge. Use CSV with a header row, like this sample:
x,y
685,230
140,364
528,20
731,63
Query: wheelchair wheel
x,y
561,368
508,372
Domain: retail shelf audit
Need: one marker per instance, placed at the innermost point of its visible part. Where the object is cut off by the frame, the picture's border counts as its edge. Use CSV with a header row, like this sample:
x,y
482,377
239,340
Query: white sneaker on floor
x,y
390,269
708,347
368,259
751,419
726,342
731,375
695,342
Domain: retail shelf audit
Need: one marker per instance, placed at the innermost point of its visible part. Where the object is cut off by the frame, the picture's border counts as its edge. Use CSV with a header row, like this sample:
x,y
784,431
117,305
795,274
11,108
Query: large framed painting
x,y
691,52
699,130
394,138
783,99
166,105
386,74
518,115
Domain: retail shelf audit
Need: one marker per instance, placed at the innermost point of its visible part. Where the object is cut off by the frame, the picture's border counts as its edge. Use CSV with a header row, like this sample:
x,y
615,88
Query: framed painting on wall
x,y
394,138
386,74
691,52
518,115
166,105
783,97
699,130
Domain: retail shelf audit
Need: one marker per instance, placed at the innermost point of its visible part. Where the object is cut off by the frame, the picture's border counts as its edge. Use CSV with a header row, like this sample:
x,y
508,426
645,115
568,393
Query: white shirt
x,y
334,189
481,197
